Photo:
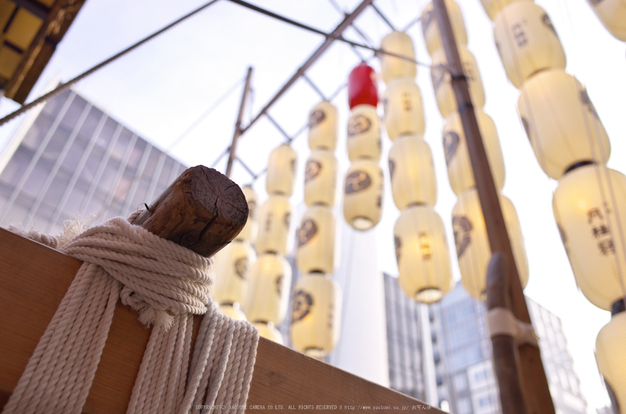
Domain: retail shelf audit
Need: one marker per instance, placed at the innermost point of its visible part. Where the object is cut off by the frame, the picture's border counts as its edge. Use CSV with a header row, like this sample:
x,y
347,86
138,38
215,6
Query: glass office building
x,y
468,380
404,341
70,157
464,375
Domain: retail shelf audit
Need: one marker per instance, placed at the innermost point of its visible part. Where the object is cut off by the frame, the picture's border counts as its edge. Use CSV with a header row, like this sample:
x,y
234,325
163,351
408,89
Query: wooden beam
x,y
34,278
55,25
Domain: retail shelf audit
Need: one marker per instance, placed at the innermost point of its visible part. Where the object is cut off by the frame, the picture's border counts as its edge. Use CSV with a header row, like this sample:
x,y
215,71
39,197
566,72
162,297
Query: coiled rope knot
x,y
160,278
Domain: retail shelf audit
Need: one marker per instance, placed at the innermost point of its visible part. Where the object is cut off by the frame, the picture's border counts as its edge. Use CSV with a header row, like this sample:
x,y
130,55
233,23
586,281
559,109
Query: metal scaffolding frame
x,y
336,34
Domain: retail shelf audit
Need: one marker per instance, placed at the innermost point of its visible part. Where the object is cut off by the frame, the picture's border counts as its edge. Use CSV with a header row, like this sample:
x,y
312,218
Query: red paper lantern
x,y
362,86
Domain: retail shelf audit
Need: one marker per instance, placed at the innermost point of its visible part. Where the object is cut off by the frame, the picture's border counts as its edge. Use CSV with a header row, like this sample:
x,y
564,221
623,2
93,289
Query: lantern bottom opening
x,y
429,295
315,352
362,223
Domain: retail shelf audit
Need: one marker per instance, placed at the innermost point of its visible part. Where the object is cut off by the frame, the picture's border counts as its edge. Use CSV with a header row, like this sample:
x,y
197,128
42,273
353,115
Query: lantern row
x,y
232,264
572,146
316,305
363,187
468,223
424,270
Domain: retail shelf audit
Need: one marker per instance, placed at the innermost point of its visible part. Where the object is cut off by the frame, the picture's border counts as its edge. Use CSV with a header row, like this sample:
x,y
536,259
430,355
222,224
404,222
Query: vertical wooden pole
x,y
233,146
534,381
505,356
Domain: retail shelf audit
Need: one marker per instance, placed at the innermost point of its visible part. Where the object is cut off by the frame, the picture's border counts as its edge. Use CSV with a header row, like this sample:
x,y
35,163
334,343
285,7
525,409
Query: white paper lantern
x,y
250,229
364,133
446,100
269,331
232,310
460,173
561,122
316,315
316,241
274,222
268,297
404,111
527,41
363,194
590,209
611,358
392,67
493,7
424,269
231,266
472,243
430,27
320,178
281,170
612,14
323,126
412,172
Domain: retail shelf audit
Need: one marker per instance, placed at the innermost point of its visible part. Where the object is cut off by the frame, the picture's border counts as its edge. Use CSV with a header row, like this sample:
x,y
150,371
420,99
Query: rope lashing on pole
x,y
167,284
501,321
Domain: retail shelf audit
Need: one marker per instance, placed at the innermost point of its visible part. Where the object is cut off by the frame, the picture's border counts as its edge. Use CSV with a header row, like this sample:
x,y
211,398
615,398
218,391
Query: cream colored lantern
x,y
412,172
446,100
493,7
460,173
231,266
527,41
316,314
269,331
274,224
232,310
270,278
364,133
316,241
320,178
430,28
363,194
590,209
472,244
404,111
611,358
612,14
561,122
281,170
424,268
392,67
250,229
323,126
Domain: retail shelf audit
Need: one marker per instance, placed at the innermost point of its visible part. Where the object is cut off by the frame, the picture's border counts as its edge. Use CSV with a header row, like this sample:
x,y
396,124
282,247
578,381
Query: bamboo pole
x,y
534,381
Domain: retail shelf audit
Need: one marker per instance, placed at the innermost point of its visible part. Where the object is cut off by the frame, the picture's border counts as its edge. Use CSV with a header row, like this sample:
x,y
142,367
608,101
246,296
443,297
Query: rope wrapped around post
x,y
167,282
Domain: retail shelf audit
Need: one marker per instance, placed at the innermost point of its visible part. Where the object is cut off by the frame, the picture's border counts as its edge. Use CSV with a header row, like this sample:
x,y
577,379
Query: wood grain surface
x,y
33,280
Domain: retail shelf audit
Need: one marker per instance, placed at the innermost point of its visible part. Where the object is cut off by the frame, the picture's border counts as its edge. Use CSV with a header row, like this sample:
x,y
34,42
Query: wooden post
x,y
202,210
232,151
505,355
534,381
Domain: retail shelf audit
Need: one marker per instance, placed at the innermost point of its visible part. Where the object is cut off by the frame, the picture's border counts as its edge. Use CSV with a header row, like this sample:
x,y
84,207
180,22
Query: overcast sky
x,y
162,88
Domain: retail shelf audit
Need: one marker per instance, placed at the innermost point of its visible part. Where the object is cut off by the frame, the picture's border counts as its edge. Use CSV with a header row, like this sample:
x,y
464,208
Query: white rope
x,y
167,284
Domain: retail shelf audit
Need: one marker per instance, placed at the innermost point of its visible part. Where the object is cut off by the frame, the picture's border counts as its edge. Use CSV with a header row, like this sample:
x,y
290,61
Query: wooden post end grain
x,y
202,210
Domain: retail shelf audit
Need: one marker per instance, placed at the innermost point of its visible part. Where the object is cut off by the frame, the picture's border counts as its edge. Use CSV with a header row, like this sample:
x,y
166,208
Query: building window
x,y
463,406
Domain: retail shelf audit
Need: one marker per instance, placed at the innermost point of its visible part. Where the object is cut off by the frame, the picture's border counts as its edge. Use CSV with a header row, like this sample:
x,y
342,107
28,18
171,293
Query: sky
x,y
162,88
